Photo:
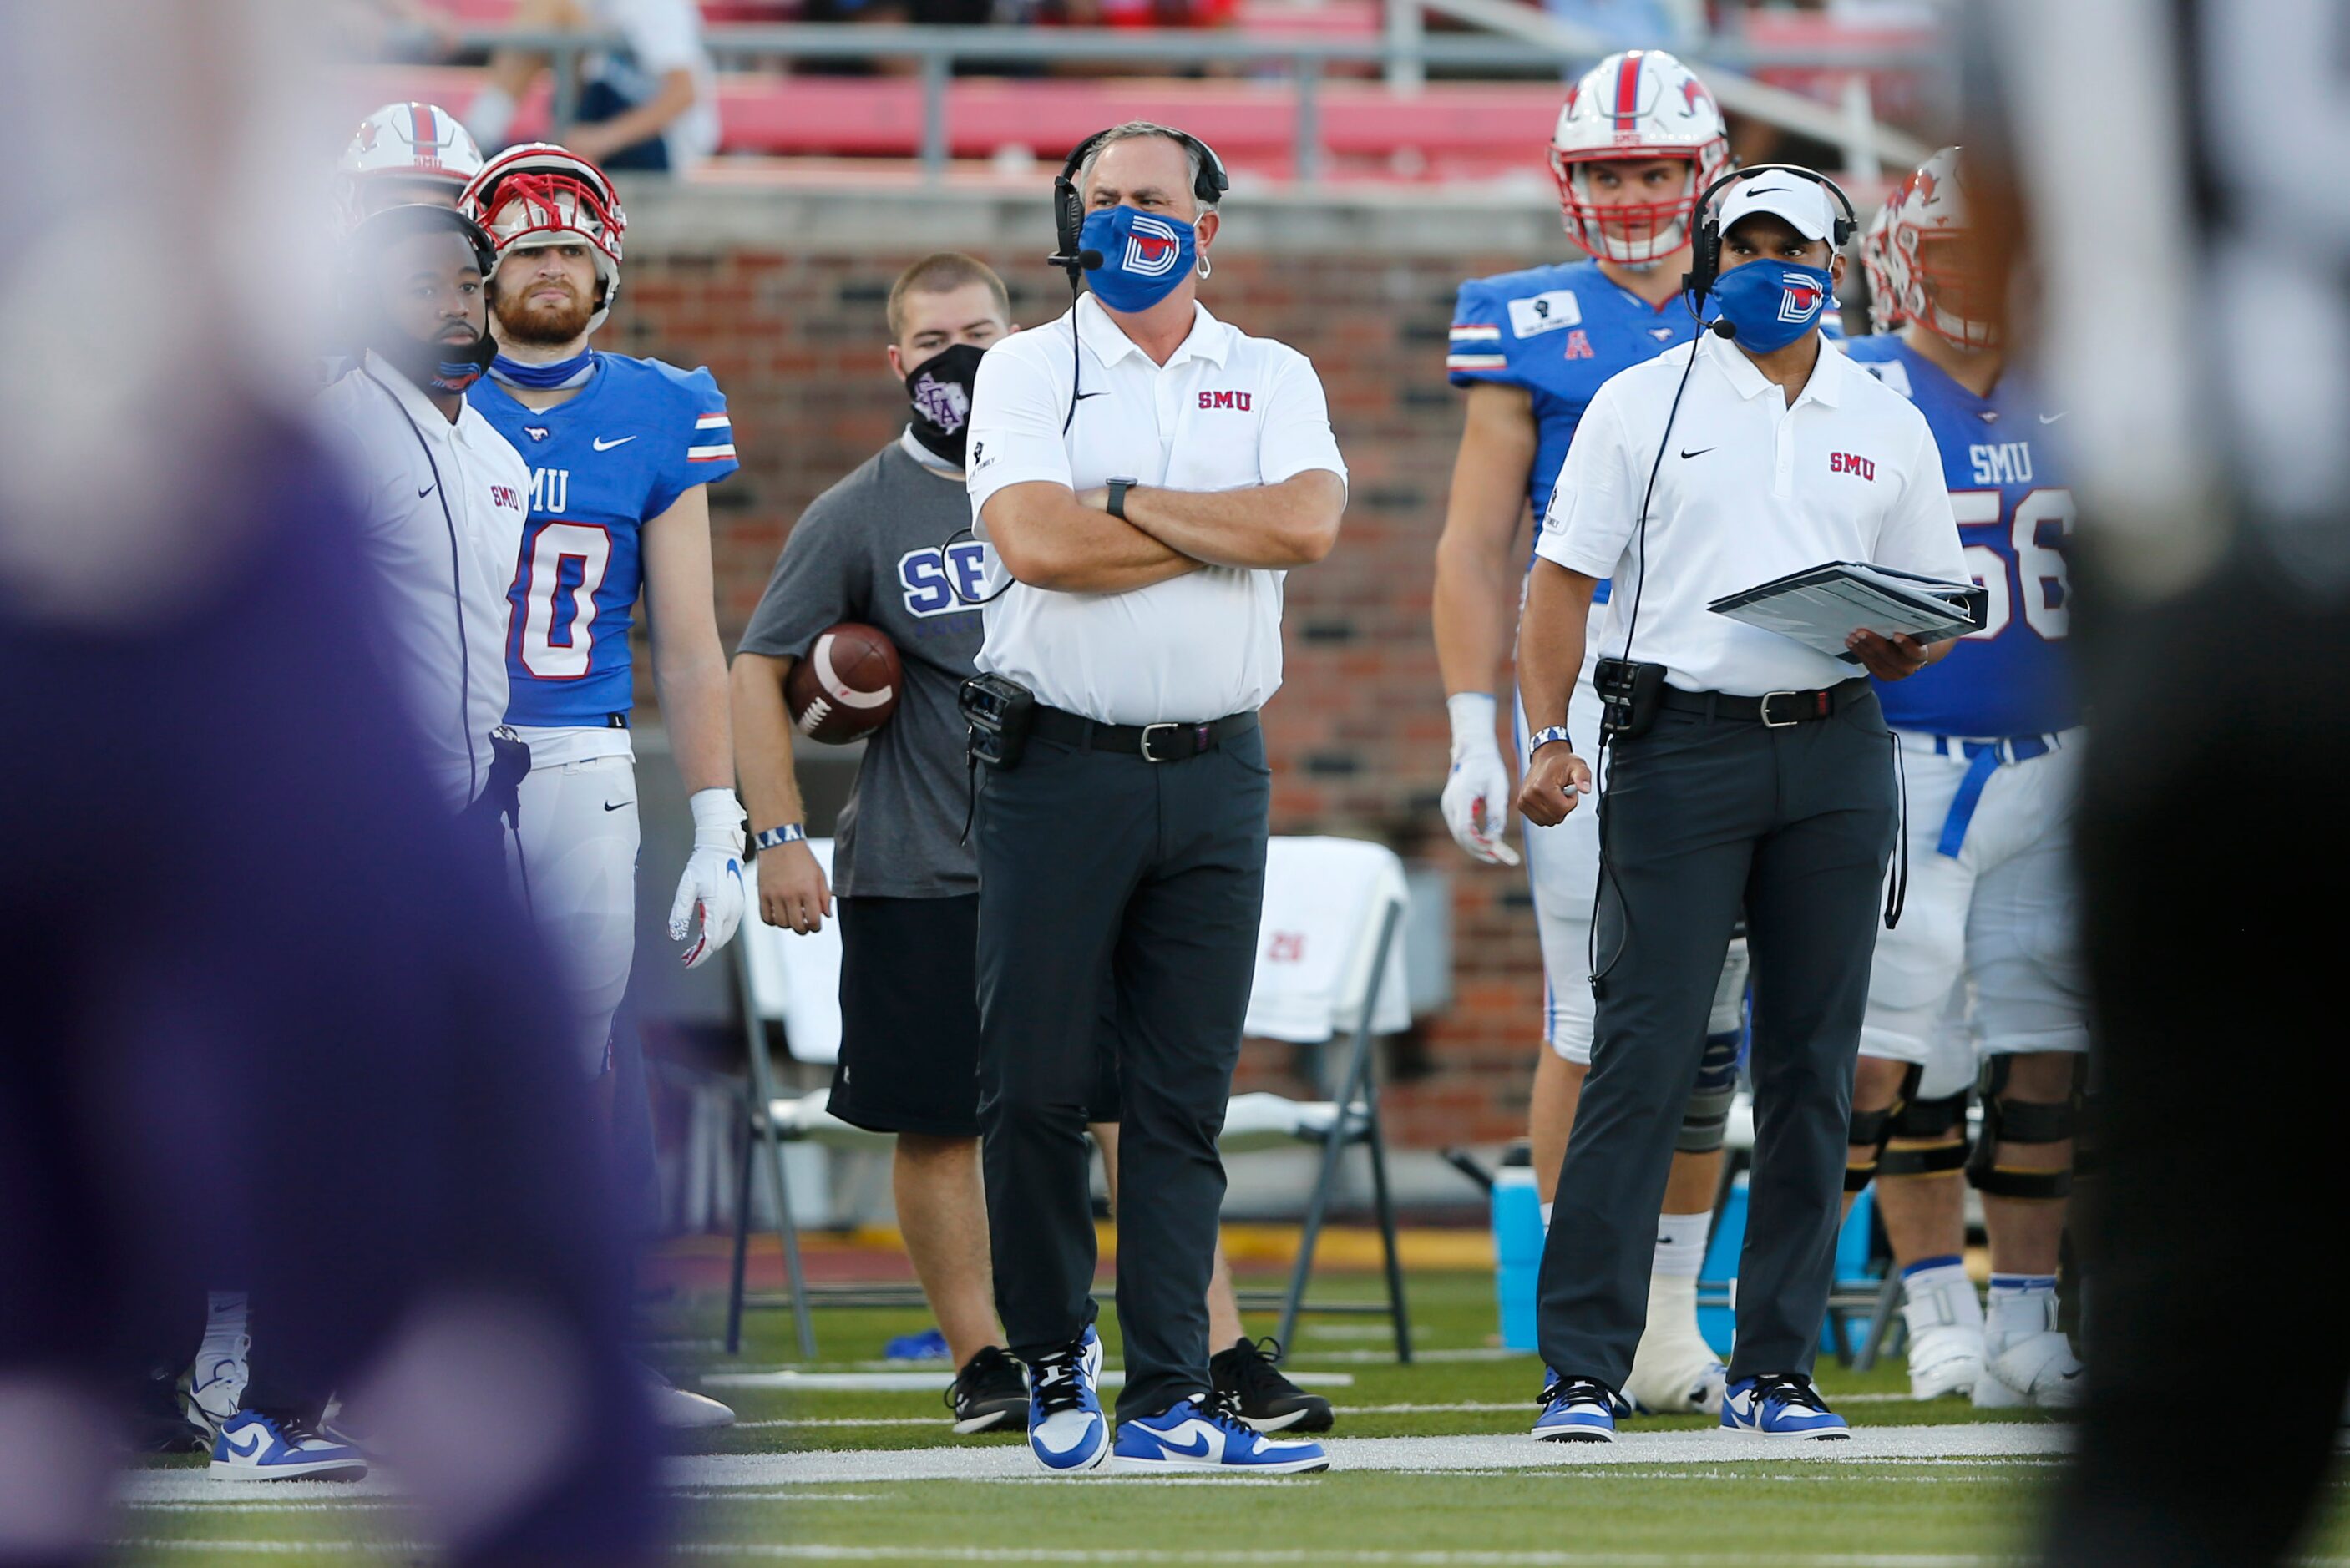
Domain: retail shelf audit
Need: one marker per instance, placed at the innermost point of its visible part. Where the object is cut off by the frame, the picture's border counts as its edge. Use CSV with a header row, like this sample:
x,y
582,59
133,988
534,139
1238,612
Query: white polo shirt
x,y
1225,411
444,573
1750,488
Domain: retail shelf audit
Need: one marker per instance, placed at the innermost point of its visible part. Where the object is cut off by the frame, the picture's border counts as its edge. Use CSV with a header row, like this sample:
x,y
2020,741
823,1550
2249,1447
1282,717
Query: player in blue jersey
x,y
1984,961
1637,141
621,454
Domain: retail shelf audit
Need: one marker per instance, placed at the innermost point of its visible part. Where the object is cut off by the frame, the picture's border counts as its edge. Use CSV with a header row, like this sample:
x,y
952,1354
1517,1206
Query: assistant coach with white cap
x,y
1747,769
1145,474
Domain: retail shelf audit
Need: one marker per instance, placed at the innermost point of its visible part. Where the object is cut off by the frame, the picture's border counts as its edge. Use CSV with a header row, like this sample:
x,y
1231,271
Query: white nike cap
x,y
1803,203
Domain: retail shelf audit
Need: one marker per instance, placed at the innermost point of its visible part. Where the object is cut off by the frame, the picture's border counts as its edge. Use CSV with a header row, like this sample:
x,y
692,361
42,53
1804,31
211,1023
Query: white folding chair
x,y
1329,961
795,982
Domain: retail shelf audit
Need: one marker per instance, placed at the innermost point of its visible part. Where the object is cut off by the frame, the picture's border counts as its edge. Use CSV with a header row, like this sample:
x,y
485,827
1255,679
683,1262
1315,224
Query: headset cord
x,y
1897,888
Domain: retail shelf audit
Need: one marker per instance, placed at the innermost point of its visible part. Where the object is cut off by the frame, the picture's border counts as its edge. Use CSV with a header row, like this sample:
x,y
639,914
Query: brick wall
x,y
1359,733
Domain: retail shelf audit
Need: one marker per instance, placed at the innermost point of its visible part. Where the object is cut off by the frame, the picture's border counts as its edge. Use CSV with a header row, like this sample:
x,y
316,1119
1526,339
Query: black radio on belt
x,y
1629,696
996,713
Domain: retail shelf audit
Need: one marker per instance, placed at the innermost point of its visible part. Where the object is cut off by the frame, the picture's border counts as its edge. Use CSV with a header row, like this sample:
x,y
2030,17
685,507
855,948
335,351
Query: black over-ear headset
x,y
1069,202
1705,244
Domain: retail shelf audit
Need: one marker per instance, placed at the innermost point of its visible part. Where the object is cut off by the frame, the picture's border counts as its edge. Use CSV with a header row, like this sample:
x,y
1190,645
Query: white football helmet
x,y
1641,103
541,194
1881,268
1938,282
407,143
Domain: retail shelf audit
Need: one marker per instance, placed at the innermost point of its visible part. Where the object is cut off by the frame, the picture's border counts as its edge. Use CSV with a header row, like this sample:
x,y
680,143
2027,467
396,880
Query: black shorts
x,y
910,1020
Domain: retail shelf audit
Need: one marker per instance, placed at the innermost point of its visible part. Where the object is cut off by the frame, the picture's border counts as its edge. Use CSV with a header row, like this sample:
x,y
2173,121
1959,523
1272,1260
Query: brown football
x,y
847,687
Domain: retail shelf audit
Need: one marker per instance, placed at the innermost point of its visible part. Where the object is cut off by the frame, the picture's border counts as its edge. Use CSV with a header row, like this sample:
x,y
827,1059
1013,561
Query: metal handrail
x,y
1405,54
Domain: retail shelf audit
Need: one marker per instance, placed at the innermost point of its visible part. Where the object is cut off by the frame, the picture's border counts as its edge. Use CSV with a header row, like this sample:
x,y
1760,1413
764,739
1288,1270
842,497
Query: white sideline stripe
x,y
1463,1353
1482,1454
1514,1451
932,1382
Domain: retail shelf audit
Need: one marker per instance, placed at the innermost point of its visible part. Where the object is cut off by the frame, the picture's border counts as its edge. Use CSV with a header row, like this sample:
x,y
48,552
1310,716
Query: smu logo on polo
x,y
1799,296
1238,400
550,491
505,495
1151,249
1852,462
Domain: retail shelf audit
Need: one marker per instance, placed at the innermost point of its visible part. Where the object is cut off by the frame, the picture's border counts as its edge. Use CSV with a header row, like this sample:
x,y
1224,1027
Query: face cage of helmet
x,y
1952,292
1614,206
526,202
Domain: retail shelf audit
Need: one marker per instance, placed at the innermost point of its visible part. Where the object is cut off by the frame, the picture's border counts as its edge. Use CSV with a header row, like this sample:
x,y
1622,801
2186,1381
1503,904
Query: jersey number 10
x,y
2039,581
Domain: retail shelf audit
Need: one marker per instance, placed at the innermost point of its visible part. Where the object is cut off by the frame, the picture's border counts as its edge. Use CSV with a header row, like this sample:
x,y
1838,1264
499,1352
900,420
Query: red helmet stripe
x,y
1627,91
428,131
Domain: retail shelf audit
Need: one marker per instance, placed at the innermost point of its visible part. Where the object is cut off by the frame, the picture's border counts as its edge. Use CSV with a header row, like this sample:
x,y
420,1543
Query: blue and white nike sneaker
x,y
1066,1431
1578,1410
1209,1435
1780,1405
252,1447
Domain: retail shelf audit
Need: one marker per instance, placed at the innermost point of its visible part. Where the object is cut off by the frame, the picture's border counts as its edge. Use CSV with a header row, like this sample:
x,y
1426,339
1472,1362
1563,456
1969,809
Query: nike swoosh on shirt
x,y
423,493
2051,419
615,806
1083,396
1699,452
600,444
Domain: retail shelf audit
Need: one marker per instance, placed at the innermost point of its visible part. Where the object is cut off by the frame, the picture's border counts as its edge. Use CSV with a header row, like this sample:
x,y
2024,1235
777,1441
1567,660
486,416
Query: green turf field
x,y
823,1476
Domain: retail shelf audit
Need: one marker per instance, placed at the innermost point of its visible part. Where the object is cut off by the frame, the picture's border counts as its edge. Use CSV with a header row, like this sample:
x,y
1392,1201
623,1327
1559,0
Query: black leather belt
x,y
1152,743
1773,710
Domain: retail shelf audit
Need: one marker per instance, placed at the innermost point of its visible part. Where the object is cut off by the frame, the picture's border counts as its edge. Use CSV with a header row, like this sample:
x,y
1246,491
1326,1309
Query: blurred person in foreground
x,y
653,108
2208,381
320,977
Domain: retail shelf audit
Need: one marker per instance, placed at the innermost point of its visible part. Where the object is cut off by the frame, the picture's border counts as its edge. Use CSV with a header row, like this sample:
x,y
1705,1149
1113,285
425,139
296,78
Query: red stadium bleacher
x,y
1448,131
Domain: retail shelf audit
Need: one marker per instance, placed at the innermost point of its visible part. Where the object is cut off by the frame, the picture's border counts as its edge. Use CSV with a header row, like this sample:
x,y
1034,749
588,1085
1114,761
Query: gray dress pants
x,y
1705,816
1113,889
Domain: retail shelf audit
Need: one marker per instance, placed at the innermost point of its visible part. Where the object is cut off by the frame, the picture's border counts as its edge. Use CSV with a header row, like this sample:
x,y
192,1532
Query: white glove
x,y
712,882
1477,793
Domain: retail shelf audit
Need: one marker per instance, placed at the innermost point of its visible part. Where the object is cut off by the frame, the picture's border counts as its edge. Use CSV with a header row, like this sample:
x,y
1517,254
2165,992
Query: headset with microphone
x,y
1076,258
1705,240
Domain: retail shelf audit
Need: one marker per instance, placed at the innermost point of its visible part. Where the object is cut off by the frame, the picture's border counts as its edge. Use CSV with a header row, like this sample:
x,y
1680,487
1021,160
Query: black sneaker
x,y
989,1392
1267,1400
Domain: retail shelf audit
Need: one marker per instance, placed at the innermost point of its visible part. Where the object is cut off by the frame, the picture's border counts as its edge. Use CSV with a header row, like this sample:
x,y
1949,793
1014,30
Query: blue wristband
x,y
776,838
1541,738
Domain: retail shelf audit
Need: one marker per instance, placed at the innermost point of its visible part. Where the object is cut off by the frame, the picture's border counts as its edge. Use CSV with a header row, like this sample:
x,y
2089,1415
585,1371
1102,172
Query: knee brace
x,y
1707,1117
1919,1141
1870,1131
2008,1120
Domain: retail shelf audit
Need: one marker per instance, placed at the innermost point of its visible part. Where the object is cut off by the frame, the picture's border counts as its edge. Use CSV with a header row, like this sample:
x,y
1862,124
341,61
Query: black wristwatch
x,y
1116,506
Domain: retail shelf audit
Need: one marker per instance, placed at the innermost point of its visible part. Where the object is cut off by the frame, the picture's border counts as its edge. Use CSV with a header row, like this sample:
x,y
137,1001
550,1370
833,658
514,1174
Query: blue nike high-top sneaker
x,y
1207,1434
1065,1428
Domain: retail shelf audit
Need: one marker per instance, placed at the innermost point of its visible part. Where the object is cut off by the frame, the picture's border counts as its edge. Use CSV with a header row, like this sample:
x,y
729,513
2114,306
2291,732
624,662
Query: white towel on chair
x,y
1323,898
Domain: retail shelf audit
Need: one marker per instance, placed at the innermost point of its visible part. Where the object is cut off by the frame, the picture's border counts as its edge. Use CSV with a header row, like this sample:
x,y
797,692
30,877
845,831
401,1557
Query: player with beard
x,y
1637,139
622,451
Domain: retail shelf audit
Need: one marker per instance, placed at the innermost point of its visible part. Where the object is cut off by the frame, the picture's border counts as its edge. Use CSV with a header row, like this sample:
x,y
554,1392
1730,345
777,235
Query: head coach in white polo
x,y
1146,474
1766,781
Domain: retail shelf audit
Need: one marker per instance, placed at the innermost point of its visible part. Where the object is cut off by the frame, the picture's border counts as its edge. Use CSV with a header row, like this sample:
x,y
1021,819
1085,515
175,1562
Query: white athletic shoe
x,y
1674,1371
2039,1369
1945,1338
677,1410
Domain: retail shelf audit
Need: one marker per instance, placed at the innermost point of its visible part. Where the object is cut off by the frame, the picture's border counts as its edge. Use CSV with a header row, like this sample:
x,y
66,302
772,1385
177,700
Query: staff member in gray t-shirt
x,y
870,549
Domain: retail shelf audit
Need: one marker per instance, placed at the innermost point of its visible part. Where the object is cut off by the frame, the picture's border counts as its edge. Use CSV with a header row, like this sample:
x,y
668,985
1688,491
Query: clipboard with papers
x,y
1822,606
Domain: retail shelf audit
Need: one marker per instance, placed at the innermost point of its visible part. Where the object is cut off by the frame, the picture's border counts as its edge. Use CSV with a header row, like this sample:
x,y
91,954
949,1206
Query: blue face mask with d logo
x,y
1146,256
1772,303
